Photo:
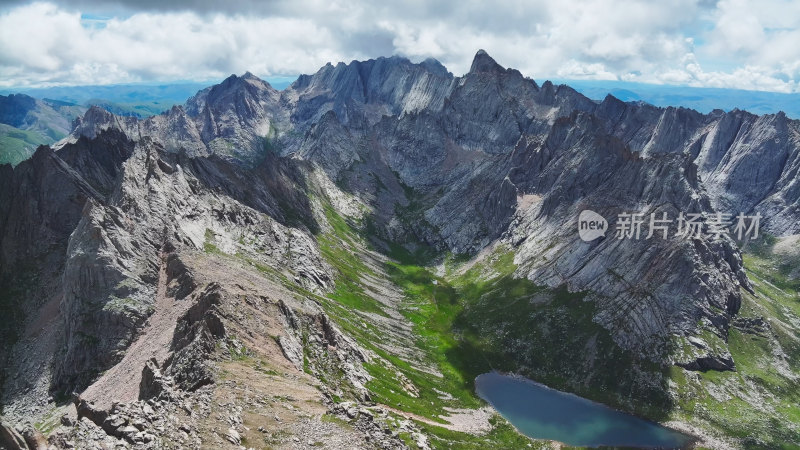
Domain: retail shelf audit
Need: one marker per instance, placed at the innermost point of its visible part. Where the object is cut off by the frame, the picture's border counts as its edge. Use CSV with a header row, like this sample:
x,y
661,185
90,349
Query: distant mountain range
x,y
137,100
27,122
64,103
41,116
701,99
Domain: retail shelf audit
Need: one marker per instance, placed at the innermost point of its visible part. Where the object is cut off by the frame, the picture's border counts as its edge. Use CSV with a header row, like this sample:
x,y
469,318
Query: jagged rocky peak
x,y
231,119
435,67
483,63
365,80
196,103
97,119
611,107
247,84
247,78
364,91
97,114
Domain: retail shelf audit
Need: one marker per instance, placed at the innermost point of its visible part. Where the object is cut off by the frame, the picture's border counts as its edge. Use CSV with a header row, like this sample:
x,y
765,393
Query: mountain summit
x,y
484,63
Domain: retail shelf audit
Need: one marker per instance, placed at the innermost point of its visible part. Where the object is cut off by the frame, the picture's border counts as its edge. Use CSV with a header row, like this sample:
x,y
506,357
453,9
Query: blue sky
x,y
724,44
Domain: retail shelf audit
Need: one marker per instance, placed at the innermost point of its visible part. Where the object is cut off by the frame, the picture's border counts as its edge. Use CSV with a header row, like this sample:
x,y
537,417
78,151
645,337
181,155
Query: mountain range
x,y
27,122
702,99
336,261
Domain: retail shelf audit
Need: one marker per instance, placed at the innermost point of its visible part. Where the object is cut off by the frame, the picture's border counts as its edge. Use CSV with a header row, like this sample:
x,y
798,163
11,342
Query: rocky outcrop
x,y
34,439
27,438
89,225
313,342
194,340
160,197
11,438
153,381
41,204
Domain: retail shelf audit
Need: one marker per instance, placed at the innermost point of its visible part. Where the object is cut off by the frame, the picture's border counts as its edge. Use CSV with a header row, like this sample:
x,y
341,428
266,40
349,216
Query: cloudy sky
x,y
727,43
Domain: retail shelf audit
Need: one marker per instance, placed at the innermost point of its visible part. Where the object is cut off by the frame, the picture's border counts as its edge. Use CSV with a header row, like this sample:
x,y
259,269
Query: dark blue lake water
x,y
543,413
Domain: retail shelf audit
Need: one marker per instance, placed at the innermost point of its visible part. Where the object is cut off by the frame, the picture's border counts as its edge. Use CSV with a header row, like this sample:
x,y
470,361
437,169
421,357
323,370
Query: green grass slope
x,y
759,404
469,321
18,145
470,316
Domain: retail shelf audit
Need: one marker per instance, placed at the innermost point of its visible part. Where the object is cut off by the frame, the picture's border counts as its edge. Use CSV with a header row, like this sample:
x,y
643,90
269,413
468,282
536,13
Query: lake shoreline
x,y
692,440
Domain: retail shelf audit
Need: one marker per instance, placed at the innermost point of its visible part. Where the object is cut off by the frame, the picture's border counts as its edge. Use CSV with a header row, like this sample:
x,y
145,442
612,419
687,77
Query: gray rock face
x,y
11,438
244,117
365,91
42,203
194,339
115,250
500,137
232,120
746,163
153,382
91,224
646,289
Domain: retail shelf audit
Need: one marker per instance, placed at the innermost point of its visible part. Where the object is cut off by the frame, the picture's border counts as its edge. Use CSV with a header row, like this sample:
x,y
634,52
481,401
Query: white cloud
x,y
730,43
41,43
